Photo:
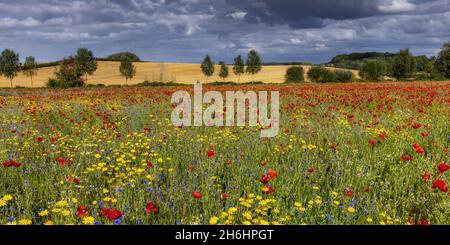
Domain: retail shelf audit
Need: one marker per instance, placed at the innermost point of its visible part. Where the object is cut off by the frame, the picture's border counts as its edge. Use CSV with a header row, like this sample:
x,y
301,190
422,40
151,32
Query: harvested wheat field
x,y
108,74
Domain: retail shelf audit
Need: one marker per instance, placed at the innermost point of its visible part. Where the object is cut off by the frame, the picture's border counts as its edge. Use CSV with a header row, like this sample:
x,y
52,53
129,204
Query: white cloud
x,y
238,15
393,6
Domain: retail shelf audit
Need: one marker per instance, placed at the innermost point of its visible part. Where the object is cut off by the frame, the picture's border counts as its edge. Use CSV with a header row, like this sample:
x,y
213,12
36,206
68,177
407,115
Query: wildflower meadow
x,y
365,154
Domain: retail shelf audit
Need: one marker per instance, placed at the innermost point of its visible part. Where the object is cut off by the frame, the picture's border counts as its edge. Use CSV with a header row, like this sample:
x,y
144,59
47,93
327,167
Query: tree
x,y
404,65
30,68
223,71
373,70
127,69
253,63
207,67
442,64
122,55
86,62
238,67
295,74
9,64
67,76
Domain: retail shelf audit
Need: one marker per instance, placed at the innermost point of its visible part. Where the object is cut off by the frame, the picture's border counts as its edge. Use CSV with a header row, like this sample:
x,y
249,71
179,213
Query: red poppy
x,y
419,149
311,170
151,208
272,174
381,136
424,134
348,192
210,153
264,179
224,196
111,214
71,179
424,222
11,163
268,190
263,163
406,158
442,168
440,184
426,176
150,165
416,125
371,142
82,211
196,195
40,139
62,161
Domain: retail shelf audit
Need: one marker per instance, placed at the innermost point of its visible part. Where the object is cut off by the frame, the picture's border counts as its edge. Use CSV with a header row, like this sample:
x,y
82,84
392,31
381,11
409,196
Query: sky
x,y
186,30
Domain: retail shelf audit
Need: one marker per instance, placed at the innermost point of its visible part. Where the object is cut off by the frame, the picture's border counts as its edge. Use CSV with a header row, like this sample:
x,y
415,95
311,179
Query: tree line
x,y
252,66
404,66
73,71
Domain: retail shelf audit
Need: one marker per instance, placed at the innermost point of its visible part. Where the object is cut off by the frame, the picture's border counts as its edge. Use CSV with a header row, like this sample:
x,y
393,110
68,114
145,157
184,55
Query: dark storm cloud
x,y
185,30
304,13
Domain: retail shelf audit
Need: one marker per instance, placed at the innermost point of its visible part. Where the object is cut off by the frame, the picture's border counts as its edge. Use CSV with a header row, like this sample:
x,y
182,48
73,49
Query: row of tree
x,y
70,72
10,66
404,66
252,66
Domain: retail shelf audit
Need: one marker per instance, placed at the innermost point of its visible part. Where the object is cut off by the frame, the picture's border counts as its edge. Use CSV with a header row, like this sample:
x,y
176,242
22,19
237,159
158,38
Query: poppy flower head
x,y
440,184
151,208
111,214
348,192
11,163
224,196
442,168
210,153
82,211
197,195
406,158
272,174
268,190
426,176
264,179
419,149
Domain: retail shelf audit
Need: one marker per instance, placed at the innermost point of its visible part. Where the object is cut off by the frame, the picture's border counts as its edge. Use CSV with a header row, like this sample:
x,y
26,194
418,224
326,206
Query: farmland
x,y
366,153
108,74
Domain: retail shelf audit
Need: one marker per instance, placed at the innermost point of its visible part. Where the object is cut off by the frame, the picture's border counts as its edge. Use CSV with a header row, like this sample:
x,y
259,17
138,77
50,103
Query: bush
x,y
343,76
320,74
52,83
295,74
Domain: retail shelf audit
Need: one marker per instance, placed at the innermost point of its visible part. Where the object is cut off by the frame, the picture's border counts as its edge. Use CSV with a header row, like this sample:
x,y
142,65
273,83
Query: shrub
x,y
320,74
295,74
343,76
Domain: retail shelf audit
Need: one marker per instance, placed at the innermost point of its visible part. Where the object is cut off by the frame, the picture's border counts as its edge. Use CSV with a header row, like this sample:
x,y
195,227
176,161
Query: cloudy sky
x,y
185,30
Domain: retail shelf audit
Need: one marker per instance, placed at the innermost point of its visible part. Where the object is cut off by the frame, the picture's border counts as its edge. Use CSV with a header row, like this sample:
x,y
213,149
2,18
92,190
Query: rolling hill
x,y
108,74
